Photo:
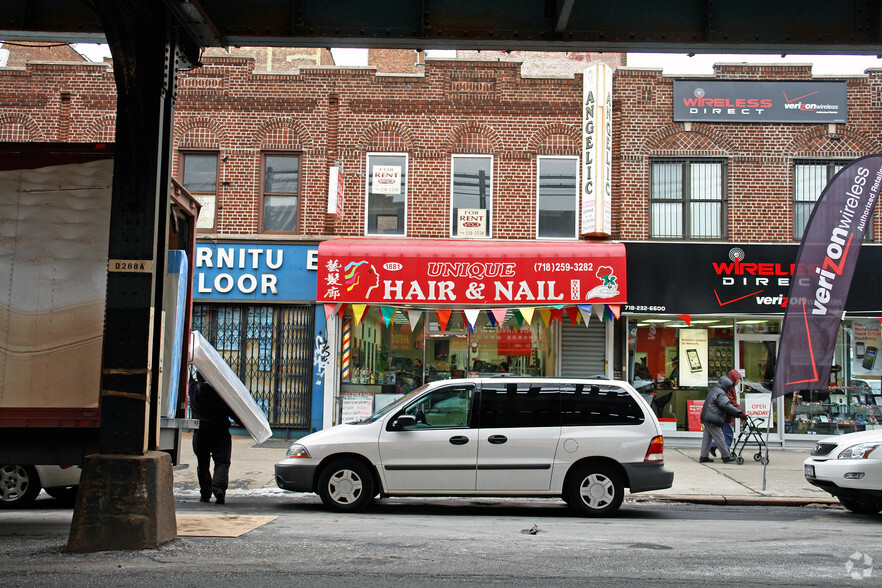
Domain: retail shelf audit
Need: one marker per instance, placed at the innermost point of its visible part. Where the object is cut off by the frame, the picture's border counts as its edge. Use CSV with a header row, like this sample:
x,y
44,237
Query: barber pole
x,y
347,340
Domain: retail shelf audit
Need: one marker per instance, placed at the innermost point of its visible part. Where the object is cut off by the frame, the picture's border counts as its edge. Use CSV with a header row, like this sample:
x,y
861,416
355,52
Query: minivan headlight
x,y
297,450
859,451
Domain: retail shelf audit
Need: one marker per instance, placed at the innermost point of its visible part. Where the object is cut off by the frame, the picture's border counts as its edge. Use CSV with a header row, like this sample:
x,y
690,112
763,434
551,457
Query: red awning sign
x,y
459,273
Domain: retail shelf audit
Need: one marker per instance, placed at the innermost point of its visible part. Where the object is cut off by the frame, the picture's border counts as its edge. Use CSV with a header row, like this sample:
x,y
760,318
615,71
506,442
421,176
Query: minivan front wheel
x,y
595,491
346,485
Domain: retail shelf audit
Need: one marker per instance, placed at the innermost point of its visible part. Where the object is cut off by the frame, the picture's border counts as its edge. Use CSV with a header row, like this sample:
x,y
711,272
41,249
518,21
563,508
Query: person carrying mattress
x,y
212,440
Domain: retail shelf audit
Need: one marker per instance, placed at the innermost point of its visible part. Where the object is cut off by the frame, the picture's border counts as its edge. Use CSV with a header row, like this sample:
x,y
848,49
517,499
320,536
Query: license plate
x,y
809,471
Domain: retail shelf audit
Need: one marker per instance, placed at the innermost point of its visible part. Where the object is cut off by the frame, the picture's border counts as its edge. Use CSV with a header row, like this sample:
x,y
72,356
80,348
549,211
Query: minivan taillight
x,y
656,451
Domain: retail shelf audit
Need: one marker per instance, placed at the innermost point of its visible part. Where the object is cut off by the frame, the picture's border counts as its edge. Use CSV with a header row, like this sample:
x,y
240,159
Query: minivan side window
x,y
584,404
447,407
506,405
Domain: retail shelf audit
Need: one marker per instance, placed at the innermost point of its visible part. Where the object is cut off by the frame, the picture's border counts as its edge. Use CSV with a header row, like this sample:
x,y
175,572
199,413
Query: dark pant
x,y
212,442
728,435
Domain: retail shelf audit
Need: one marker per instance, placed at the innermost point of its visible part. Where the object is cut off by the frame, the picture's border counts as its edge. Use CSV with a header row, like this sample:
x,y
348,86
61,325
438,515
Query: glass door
x,y
755,356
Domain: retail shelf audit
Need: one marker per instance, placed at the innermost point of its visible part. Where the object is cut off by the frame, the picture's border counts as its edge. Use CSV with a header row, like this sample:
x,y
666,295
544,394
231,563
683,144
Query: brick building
x,y
711,203
256,145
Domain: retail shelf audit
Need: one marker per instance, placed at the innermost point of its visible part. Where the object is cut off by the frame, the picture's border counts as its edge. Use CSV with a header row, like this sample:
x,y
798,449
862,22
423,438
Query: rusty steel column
x,y
126,498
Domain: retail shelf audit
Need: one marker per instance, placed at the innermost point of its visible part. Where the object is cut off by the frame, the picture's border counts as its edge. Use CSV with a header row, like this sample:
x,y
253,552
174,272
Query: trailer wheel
x,y
19,485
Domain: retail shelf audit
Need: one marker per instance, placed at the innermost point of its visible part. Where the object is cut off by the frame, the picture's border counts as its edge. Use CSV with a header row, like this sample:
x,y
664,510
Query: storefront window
x,y
398,357
266,347
674,364
852,402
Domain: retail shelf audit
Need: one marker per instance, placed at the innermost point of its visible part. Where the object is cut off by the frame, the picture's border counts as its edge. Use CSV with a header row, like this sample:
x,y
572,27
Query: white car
x,y
21,484
583,440
850,468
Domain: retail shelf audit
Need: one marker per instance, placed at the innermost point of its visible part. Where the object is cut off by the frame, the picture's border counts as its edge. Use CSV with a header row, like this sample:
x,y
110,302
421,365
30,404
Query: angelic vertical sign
x,y
822,276
596,150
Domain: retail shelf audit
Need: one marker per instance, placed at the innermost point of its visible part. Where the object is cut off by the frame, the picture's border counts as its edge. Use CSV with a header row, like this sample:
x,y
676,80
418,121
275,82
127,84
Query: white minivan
x,y
583,440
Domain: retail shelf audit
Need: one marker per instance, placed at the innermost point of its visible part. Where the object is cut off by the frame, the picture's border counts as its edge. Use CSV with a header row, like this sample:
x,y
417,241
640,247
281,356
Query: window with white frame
x,y
386,201
809,180
557,197
471,195
280,211
687,199
199,177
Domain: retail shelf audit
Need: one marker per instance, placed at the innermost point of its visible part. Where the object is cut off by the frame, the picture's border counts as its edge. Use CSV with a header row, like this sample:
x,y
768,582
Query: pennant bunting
x,y
598,310
358,311
545,313
413,317
527,314
557,314
686,319
573,314
342,310
471,315
585,312
499,315
443,318
388,312
615,309
330,309
491,319
518,317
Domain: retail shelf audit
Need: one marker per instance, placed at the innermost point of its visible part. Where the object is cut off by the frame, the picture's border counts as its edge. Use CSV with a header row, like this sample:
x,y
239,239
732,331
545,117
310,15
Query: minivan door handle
x,y
459,440
497,439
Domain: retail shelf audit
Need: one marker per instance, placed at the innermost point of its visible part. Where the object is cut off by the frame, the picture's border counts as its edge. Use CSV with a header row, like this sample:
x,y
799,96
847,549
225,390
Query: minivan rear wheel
x,y
595,491
346,485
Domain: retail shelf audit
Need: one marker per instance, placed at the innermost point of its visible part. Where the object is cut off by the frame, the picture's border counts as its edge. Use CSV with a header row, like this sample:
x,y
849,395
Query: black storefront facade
x,y
697,310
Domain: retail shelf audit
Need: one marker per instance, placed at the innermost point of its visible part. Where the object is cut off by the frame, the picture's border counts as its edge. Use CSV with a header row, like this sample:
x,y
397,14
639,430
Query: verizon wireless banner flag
x,y
822,276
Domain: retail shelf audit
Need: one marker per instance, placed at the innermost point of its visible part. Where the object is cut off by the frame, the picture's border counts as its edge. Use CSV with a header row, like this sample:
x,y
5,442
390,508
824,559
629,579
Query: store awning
x,y
463,273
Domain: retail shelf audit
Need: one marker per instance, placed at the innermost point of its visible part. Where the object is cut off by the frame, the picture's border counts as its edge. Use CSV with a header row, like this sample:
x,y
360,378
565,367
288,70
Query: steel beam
x,y
685,26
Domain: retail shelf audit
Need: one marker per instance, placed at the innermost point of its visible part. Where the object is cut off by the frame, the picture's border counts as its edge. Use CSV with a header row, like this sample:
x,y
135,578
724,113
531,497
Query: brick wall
x,y
759,157
338,115
396,60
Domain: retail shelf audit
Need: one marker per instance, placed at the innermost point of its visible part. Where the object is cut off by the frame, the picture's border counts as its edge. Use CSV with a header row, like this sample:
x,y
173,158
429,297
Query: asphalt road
x,y
469,542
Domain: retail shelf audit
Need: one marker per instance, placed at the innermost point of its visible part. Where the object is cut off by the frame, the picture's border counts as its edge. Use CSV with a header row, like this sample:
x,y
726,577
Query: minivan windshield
x,y
391,407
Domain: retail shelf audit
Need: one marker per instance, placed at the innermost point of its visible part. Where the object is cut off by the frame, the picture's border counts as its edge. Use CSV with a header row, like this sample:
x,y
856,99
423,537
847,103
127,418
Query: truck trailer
x,y
54,227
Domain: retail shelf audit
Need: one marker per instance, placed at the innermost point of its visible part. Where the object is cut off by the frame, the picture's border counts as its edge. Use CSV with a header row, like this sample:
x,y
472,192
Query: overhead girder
x,y
688,26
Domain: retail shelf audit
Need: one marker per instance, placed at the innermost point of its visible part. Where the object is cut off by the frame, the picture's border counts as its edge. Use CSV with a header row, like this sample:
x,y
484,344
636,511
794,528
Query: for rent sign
x,y
768,102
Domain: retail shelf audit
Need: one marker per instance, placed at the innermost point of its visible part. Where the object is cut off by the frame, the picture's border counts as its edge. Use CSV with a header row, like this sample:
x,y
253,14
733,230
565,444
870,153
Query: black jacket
x,y
207,405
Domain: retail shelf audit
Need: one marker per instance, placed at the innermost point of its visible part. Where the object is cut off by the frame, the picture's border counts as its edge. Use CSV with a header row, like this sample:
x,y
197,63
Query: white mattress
x,y
217,373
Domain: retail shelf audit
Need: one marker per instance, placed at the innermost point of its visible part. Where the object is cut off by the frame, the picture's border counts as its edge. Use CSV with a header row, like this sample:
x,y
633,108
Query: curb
x,y
747,500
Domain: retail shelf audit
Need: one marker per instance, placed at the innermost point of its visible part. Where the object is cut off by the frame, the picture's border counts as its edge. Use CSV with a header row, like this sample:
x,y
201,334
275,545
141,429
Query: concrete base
x,y
124,502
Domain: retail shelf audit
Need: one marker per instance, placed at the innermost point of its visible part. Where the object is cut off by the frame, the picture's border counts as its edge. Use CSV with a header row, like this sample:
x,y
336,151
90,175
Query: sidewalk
x,y
713,483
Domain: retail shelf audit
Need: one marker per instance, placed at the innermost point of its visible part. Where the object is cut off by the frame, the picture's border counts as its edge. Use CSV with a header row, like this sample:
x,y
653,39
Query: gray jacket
x,y
716,405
